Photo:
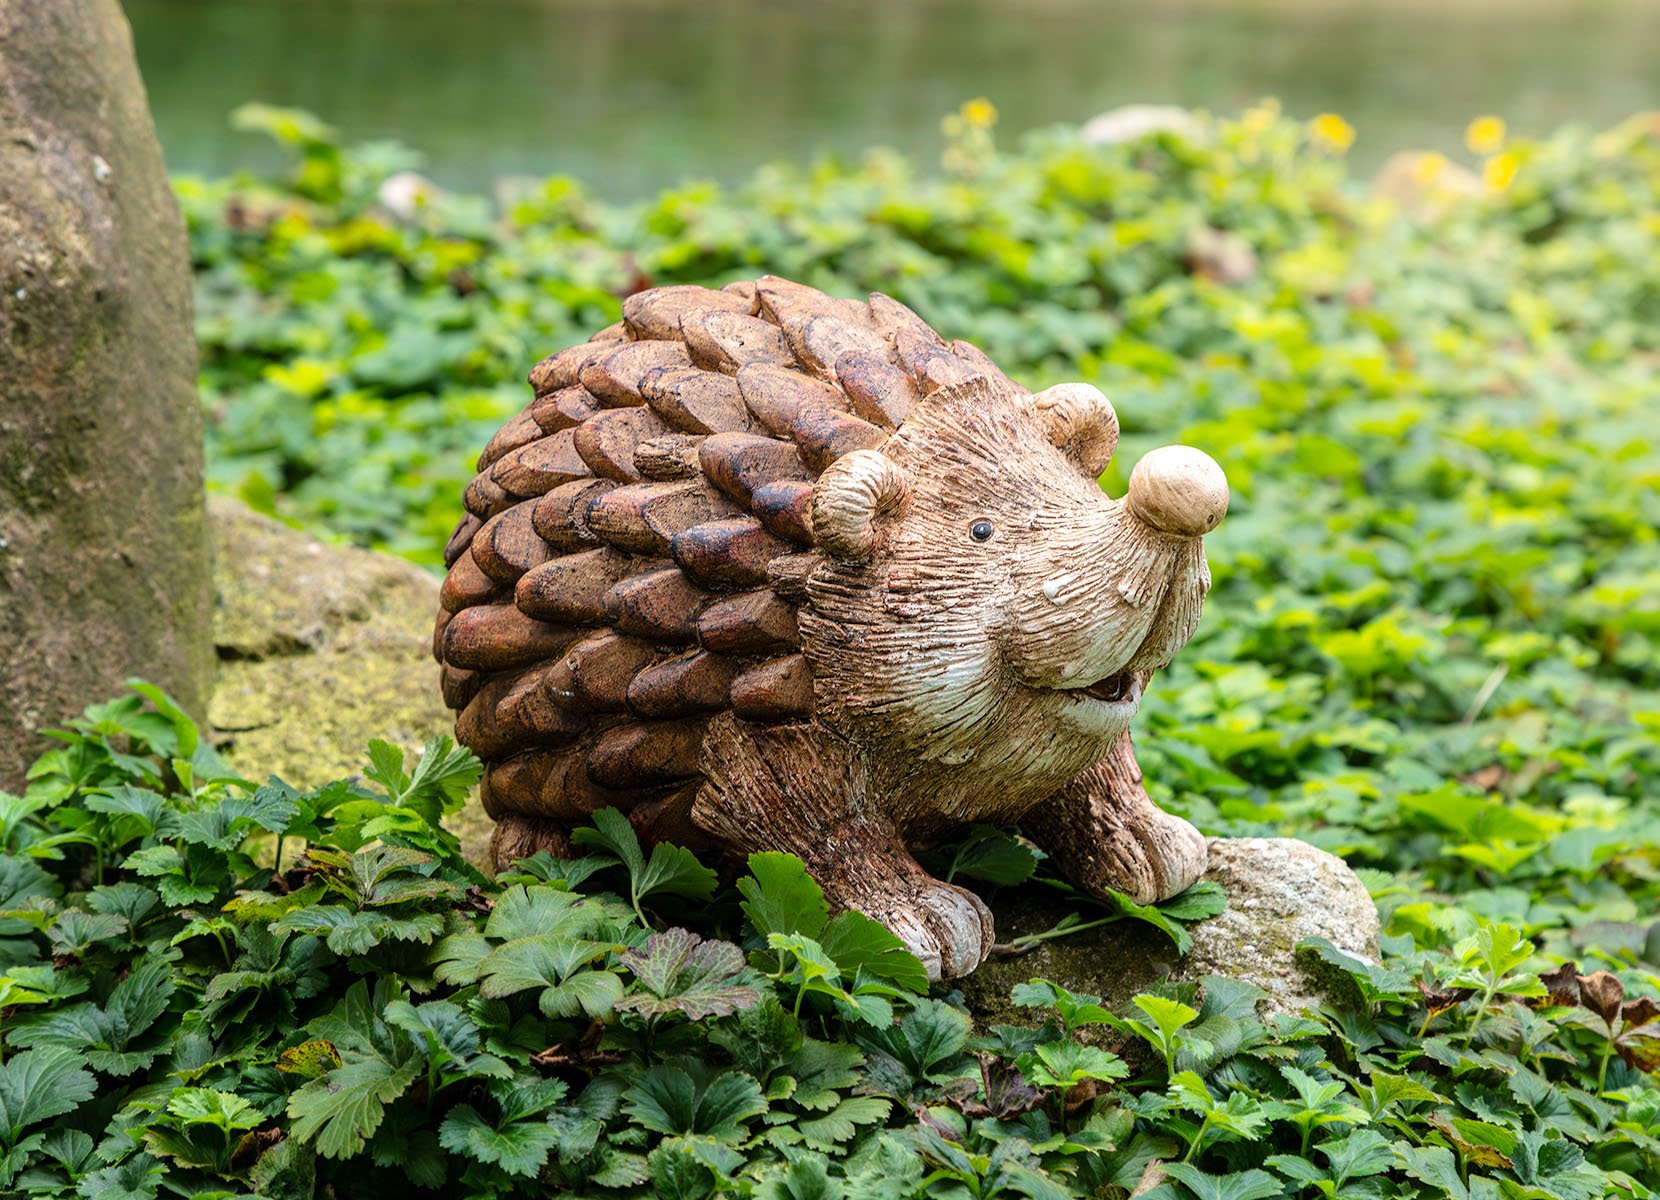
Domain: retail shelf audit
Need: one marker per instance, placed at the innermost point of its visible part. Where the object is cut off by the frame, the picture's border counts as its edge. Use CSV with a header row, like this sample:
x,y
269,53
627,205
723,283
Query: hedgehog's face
x,y
986,602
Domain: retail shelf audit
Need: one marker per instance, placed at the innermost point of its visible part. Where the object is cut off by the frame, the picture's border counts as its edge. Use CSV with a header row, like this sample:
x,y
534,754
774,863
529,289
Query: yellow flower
x,y
1332,132
980,112
1500,171
1485,135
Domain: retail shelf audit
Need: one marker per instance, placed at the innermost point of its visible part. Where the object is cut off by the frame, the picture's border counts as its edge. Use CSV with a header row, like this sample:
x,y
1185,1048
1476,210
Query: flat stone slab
x,y
1280,891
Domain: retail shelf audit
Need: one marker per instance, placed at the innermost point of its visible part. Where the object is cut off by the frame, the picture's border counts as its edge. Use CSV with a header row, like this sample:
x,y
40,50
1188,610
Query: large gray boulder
x,y
103,545
1280,892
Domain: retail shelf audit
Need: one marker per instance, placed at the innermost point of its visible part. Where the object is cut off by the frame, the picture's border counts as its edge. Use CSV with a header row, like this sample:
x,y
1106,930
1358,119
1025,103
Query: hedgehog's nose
x,y
1179,491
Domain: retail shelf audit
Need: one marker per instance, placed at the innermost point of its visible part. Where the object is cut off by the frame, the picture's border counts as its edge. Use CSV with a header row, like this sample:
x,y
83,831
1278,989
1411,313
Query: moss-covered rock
x,y
1280,891
320,649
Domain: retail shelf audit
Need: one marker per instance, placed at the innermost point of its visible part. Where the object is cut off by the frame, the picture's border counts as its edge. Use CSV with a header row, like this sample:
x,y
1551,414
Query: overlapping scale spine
x,y
637,541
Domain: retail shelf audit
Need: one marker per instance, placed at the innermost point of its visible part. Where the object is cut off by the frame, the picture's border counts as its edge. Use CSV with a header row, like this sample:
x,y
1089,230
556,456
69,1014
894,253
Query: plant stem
x,y
1602,1067
1197,1138
1481,1010
1026,943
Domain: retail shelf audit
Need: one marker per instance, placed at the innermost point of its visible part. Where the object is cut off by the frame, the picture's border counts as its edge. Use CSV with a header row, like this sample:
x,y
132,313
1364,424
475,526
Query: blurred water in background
x,y
632,95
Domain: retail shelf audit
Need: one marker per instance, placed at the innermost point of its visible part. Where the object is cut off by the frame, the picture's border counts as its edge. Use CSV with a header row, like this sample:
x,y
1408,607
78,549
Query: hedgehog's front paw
x,y
1149,858
948,928
1183,854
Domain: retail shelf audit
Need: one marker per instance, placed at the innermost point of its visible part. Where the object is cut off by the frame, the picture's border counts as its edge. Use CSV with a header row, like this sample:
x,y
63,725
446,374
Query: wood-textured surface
x,y
725,573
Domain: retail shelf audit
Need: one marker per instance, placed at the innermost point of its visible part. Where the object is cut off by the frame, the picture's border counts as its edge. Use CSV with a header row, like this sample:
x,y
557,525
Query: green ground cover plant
x,y
211,988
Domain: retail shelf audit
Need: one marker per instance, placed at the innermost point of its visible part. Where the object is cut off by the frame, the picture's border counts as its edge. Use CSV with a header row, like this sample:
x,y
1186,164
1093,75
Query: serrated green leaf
x,y
117,1038
561,873
620,1170
348,932
455,959
136,1178
141,804
444,775
681,972
1362,1153
668,1100
1169,1016
522,912
671,870
1242,1185
1435,1166
535,962
519,1147
1066,1064
612,832
1203,900
449,1037
593,994
74,932
994,856
821,1071
857,943
926,1042
781,897
38,1085
839,1125
341,1110
287,1171
23,886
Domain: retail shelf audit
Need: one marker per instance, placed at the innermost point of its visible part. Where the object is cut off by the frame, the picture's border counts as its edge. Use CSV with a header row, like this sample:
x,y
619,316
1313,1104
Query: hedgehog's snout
x,y
1178,491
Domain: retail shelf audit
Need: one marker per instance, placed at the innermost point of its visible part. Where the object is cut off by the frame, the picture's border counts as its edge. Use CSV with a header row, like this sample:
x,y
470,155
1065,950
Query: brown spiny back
x,y
638,539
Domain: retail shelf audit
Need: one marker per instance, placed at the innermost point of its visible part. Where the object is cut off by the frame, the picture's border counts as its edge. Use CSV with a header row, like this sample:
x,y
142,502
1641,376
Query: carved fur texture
x,y
771,570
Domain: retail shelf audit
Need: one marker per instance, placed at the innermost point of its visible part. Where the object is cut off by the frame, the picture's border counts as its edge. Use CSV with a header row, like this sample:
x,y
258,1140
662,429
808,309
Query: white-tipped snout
x,y
1178,490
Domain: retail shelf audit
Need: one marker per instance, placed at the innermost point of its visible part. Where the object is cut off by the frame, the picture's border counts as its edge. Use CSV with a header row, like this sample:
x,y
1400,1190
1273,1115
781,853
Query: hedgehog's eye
x,y
981,531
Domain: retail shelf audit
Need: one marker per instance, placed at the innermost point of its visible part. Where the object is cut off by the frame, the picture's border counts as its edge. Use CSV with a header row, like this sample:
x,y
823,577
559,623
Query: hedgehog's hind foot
x,y
1106,835
797,789
948,928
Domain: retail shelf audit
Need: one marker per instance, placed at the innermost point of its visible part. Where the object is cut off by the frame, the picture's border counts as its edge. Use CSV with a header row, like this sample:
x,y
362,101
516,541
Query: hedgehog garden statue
x,y
769,570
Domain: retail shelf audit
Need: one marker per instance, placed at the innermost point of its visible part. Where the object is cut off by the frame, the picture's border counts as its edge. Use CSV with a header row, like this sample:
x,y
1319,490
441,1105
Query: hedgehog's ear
x,y
1081,421
851,499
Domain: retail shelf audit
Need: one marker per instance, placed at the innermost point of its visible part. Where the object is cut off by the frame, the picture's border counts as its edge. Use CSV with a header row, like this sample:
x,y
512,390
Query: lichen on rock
x,y
1280,892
